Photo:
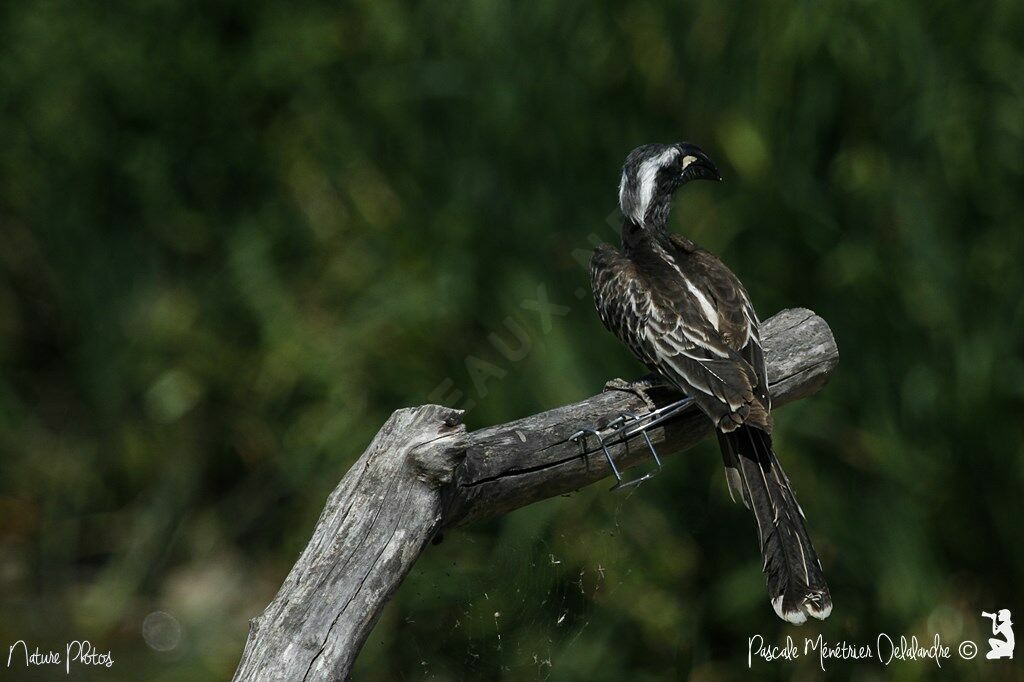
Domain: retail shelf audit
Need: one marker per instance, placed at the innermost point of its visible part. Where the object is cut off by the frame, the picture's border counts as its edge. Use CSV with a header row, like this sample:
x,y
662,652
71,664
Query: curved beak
x,y
701,168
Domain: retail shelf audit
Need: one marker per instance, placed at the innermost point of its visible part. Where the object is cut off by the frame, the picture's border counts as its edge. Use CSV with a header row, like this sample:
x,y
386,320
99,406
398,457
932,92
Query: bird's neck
x,y
637,235
657,211
652,226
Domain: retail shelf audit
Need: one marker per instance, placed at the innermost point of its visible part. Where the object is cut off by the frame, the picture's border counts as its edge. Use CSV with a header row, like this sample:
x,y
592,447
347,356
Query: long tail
x,y
796,584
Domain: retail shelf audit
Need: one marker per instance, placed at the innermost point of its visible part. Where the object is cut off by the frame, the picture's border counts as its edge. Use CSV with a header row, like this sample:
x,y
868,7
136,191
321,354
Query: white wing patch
x,y
710,312
705,305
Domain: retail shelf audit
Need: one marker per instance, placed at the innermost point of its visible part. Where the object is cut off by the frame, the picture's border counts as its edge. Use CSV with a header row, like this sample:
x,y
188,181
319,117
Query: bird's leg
x,y
640,388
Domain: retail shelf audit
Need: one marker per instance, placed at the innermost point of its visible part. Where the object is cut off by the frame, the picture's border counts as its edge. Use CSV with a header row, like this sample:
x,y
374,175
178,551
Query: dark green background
x,y
235,236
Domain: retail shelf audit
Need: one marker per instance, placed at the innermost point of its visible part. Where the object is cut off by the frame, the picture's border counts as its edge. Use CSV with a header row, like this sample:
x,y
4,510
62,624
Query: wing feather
x,y
667,328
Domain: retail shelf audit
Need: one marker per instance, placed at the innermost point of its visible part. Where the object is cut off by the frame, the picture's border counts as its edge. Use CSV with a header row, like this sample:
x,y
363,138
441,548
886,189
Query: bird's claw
x,y
639,388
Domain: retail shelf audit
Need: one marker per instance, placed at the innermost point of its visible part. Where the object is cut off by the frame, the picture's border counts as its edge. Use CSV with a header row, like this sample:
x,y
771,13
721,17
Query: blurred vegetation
x,y
236,236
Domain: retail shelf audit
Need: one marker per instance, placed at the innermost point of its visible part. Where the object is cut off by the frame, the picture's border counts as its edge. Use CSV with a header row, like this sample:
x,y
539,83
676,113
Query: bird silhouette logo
x,y
1001,626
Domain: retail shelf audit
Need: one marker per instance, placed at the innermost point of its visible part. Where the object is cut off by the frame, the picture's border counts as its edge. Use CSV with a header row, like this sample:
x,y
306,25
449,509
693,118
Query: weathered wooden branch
x,y
423,472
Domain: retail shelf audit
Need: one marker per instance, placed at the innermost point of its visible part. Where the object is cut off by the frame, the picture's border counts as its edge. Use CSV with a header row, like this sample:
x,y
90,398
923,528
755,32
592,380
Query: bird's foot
x,y
640,387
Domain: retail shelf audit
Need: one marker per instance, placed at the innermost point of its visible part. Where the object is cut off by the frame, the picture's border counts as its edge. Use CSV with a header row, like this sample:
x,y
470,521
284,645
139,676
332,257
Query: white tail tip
x,y
794,616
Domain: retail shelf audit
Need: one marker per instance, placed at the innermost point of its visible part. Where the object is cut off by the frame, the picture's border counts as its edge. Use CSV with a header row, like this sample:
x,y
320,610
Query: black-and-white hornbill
x,y
685,315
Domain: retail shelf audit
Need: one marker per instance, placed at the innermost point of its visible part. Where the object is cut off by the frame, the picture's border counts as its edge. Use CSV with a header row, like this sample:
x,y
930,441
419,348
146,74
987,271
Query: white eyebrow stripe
x,y
647,176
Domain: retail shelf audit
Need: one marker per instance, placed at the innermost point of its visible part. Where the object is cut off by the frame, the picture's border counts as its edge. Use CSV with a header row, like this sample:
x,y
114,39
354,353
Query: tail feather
x,y
796,584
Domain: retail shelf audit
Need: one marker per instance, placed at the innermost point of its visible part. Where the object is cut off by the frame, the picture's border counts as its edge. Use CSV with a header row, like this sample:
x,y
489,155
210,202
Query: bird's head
x,y
653,172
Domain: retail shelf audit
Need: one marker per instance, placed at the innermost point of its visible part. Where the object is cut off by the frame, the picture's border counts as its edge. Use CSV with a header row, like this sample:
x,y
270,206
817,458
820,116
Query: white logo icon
x,y
1001,626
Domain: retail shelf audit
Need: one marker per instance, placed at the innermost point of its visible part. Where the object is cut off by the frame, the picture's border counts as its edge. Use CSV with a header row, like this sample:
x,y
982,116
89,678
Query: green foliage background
x,y
237,235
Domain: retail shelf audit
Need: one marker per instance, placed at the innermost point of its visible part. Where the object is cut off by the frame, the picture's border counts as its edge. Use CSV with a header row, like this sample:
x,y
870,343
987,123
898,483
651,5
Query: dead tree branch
x,y
423,472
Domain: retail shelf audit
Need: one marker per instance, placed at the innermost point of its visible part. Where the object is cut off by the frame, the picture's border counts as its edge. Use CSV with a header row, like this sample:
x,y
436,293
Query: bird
x,y
689,319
